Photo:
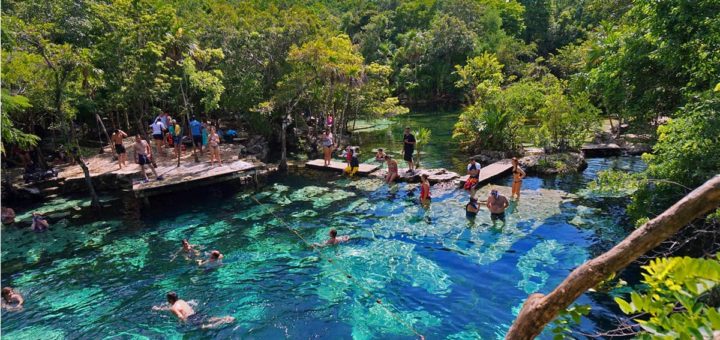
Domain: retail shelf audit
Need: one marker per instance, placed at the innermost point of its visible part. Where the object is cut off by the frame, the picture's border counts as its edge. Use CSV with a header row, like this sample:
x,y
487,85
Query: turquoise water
x,y
448,277
445,276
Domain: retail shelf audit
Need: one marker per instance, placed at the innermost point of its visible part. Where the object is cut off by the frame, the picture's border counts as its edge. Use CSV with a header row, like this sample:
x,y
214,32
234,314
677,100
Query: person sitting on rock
x,y
354,165
473,171
392,173
380,155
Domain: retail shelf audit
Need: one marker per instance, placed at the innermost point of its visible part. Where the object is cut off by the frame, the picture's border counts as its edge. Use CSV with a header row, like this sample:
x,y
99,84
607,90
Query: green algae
x,y
35,333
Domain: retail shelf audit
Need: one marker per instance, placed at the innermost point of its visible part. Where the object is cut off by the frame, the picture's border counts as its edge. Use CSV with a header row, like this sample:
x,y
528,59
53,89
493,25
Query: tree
x,y
540,309
11,134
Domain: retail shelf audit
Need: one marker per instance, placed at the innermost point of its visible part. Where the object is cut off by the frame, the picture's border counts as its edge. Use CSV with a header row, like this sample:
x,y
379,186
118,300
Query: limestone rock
x,y
554,163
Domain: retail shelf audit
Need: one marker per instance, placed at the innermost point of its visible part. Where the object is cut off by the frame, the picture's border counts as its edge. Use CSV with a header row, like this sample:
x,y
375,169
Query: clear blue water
x,y
446,276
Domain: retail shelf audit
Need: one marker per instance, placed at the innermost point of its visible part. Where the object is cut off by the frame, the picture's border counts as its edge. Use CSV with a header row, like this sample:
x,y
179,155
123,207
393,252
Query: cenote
x,y
444,275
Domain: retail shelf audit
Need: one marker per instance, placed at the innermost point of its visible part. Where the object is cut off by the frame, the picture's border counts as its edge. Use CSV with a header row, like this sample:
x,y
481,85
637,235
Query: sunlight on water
x,y
447,276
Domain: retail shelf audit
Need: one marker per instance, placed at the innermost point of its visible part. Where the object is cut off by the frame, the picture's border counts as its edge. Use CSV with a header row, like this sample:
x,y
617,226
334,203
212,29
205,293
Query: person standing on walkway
x,y
157,132
409,149
196,130
214,145
497,204
518,175
177,137
117,138
328,143
143,154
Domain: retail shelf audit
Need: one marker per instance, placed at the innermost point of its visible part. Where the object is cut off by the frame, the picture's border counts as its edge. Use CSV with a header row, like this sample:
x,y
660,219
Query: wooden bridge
x,y
365,169
492,171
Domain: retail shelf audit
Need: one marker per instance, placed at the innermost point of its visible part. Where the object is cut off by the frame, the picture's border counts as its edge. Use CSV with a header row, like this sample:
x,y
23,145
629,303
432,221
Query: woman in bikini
x,y
214,143
392,173
518,175
328,143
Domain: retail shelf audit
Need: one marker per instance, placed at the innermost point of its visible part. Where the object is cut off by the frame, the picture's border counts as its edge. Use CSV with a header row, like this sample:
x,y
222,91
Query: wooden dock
x,y
190,175
492,171
602,150
365,169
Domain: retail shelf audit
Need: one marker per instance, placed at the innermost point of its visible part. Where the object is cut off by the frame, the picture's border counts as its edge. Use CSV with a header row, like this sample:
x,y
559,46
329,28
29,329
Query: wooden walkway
x,y
365,169
492,171
602,150
190,175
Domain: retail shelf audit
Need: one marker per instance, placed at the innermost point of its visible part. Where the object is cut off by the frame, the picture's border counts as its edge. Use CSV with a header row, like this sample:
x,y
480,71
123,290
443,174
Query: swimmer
x,y
333,240
472,208
424,188
215,259
187,314
8,215
39,223
497,204
188,249
12,300
380,155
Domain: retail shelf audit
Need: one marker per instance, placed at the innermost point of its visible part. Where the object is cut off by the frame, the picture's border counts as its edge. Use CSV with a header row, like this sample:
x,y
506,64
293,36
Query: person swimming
x,y
12,300
189,250
39,223
186,313
215,259
472,208
333,240
380,155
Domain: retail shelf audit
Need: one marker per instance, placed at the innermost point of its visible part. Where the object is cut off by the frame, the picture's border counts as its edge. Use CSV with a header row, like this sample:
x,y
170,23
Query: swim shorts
x,y
143,159
119,148
408,155
157,137
177,140
197,139
501,216
197,319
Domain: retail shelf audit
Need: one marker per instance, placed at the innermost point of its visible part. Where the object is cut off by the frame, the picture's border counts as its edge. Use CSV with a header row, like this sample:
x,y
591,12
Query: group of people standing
x,y
496,202
168,133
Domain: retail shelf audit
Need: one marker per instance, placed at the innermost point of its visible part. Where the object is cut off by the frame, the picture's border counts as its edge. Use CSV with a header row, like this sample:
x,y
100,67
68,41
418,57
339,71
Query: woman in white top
x,y
327,142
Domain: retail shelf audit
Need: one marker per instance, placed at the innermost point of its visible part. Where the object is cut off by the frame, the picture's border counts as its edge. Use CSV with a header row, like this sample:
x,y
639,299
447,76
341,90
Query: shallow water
x,y
446,276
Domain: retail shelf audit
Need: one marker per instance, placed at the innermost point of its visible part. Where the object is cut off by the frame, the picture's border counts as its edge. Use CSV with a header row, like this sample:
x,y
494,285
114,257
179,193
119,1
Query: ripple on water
x,y
36,332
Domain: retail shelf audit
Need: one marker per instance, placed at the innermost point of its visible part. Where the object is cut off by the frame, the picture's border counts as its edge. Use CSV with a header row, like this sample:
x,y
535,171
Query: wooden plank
x,y
602,150
365,169
492,171
191,175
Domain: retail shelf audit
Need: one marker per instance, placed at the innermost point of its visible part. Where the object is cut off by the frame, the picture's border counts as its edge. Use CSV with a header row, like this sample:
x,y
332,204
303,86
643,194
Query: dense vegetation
x,y
540,71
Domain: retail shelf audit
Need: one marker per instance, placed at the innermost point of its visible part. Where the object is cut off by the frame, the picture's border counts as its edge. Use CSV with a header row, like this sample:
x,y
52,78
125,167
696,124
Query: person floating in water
x,y
424,188
215,259
117,138
354,166
187,314
472,208
380,155
518,175
473,171
409,149
12,300
188,250
497,204
143,153
39,223
392,173
8,215
333,240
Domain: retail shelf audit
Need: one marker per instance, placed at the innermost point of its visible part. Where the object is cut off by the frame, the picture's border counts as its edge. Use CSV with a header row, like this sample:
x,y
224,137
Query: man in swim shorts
x,y
497,204
142,154
472,208
187,314
117,139
409,149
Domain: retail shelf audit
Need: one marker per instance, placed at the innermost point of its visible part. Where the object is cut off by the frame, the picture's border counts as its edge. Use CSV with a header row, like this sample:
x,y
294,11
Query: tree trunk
x,y
540,309
282,167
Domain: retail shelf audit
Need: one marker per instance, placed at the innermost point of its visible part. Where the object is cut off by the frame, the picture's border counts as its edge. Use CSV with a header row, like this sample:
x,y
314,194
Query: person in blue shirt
x,y
196,129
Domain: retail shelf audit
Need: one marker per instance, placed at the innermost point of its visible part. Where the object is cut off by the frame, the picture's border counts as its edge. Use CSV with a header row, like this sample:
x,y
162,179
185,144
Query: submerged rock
x,y
558,163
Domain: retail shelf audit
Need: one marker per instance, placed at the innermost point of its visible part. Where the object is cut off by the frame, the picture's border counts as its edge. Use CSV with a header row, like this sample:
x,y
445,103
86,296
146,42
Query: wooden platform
x,y
492,171
602,150
190,175
365,169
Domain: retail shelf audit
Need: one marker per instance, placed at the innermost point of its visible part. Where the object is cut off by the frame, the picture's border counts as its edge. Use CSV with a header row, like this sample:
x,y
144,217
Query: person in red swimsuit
x,y
424,188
